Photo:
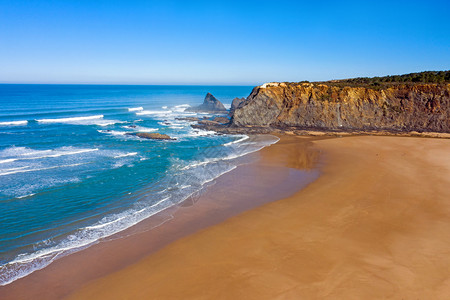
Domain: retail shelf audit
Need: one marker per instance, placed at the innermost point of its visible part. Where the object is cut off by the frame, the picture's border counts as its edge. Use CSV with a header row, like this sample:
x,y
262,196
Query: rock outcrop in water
x,y
221,120
151,136
210,104
334,106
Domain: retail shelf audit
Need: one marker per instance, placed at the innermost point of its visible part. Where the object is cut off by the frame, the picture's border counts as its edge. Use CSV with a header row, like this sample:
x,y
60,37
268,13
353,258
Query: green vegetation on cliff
x,y
437,77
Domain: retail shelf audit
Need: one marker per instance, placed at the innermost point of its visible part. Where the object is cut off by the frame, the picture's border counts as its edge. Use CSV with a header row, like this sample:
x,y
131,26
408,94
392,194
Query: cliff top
x,y
427,77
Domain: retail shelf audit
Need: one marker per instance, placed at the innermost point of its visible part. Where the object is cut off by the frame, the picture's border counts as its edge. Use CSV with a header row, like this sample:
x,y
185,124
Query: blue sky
x,y
210,42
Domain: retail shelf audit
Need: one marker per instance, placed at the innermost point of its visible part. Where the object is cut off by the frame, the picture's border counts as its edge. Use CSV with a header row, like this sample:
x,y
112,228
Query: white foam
x,y
39,169
25,196
104,224
157,203
68,120
200,163
13,169
126,154
180,108
135,109
245,137
113,132
13,123
35,152
168,112
145,129
88,120
229,157
23,153
64,152
7,160
153,112
201,132
192,133
101,123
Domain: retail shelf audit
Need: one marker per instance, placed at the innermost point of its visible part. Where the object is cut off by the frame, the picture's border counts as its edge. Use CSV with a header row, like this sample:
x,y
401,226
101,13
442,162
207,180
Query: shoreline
x,y
374,225
38,262
316,132
165,227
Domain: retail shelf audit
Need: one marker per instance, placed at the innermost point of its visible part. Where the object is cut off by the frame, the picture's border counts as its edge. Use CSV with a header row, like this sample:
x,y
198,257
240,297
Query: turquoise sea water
x,y
69,175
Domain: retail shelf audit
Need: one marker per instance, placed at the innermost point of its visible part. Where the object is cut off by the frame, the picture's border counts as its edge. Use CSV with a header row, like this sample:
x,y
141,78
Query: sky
x,y
219,42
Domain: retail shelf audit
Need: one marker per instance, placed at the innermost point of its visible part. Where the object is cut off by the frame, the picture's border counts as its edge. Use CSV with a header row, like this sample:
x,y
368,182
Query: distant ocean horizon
x,y
70,174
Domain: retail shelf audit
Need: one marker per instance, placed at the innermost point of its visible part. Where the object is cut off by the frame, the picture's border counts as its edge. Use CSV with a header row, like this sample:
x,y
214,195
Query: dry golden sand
x,y
375,225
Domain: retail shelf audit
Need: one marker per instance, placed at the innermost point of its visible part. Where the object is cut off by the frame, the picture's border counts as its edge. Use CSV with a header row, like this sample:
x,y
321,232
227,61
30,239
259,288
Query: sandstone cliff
x,y
402,107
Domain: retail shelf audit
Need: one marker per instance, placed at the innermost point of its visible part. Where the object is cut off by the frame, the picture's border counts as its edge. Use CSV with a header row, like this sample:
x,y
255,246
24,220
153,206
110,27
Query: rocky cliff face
x,y
414,107
210,104
235,104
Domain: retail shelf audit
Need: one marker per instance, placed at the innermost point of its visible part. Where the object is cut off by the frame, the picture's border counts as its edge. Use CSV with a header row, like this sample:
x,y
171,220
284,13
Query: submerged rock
x,y
151,136
192,119
210,104
208,122
221,120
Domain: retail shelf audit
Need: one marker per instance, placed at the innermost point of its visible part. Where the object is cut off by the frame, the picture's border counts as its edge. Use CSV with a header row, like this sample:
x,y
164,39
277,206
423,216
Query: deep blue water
x,y
69,175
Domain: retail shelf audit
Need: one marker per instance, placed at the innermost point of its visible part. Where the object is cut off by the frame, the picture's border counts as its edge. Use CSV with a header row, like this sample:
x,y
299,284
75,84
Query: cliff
x,y
334,106
235,104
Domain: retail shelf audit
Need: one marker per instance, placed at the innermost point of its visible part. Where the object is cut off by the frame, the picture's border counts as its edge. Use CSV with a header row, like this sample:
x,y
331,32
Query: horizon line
x,y
130,84
208,84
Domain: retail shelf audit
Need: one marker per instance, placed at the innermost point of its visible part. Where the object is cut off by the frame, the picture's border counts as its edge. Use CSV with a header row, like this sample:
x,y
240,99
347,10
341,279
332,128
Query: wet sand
x,y
262,178
374,225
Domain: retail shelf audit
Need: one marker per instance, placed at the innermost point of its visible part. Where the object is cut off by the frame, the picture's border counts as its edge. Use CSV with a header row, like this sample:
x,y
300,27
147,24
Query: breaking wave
x,y
13,123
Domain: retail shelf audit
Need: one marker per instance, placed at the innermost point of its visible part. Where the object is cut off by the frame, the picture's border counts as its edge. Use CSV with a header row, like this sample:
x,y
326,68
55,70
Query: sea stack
x,y
210,104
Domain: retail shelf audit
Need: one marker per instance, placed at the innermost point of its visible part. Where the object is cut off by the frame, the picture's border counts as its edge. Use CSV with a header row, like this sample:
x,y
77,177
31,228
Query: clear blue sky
x,y
211,42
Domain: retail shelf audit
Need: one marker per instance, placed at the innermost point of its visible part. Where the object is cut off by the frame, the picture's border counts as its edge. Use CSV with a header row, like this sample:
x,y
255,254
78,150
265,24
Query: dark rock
x,y
226,129
208,122
210,104
193,119
151,136
221,120
235,104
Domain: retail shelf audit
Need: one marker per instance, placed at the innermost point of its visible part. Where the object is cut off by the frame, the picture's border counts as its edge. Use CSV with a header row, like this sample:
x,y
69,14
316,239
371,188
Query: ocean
x,y
70,175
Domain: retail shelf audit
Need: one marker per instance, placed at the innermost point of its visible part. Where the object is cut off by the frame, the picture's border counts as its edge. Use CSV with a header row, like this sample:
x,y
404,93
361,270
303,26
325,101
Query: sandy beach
x,y
256,181
374,226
